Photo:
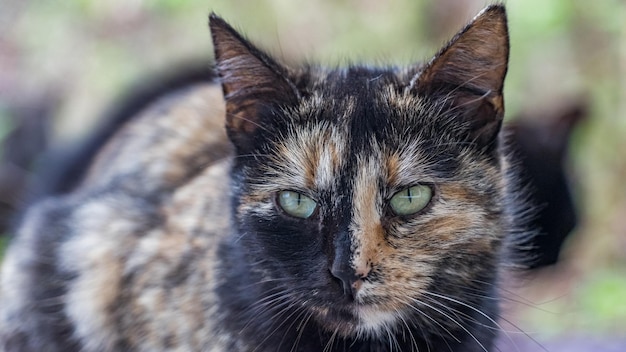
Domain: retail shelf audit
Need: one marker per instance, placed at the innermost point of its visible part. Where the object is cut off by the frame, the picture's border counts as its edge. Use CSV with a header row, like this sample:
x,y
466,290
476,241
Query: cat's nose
x,y
342,266
350,282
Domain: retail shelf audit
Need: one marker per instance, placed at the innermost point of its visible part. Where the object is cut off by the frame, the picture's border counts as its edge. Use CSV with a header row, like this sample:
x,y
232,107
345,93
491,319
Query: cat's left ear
x,y
251,81
468,74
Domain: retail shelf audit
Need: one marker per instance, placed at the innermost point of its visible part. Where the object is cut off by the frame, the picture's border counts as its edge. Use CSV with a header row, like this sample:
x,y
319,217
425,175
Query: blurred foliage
x,y
4,241
598,308
6,123
88,52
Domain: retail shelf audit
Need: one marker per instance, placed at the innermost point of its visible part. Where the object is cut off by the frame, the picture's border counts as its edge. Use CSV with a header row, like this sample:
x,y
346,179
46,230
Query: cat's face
x,y
367,197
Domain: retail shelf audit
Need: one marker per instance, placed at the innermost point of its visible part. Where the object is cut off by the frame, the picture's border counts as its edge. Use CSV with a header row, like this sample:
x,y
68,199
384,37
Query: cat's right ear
x,y
251,81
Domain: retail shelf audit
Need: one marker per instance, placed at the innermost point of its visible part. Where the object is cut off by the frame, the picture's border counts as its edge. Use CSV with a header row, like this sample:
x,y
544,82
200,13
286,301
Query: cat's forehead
x,y
322,153
357,96
353,82
353,120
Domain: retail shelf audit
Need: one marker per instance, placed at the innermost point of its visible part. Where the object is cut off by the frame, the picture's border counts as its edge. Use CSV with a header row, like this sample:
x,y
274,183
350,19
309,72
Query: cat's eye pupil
x,y
410,200
296,204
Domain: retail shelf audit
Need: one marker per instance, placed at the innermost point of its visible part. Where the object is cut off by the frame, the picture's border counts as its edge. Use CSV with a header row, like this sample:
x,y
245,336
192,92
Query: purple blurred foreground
x,y
563,344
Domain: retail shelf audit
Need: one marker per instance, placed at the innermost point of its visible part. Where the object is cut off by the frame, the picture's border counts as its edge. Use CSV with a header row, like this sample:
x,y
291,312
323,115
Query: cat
x,y
344,209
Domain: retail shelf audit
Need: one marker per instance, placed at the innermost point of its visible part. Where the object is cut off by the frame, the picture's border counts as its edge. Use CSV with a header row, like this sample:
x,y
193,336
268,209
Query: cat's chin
x,y
357,320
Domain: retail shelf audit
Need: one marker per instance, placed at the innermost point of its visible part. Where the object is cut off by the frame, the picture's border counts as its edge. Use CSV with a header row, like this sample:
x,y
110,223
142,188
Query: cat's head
x,y
363,195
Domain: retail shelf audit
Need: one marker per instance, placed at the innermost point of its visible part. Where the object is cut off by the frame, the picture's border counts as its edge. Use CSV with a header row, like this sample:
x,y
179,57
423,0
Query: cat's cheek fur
x,y
406,270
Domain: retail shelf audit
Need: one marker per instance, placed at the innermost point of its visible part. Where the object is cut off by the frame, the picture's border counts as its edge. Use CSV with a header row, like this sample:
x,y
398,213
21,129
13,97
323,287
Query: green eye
x,y
411,200
296,204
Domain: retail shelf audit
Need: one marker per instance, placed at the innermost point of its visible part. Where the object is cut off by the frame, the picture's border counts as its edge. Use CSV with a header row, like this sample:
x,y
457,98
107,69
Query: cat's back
x,y
133,245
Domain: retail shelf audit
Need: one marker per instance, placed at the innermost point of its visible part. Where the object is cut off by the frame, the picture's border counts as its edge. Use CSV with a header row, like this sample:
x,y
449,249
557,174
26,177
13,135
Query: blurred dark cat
x,y
541,145
351,209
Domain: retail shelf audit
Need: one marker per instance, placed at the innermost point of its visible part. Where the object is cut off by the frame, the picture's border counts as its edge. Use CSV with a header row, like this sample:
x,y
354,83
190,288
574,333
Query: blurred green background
x,y
84,54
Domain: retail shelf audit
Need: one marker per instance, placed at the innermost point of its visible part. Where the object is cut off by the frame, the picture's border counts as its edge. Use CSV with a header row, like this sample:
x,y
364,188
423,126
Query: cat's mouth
x,y
355,319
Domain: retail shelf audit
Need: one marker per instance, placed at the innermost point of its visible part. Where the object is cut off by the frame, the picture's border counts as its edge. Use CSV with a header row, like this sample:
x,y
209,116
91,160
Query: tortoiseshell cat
x,y
353,209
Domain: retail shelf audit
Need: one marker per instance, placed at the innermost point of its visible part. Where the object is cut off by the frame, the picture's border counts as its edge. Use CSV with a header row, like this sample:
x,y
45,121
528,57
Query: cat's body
x,y
183,236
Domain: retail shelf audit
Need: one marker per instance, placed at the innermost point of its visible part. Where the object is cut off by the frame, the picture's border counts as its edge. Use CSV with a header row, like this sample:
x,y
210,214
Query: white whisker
x,y
414,346
454,321
422,313
300,328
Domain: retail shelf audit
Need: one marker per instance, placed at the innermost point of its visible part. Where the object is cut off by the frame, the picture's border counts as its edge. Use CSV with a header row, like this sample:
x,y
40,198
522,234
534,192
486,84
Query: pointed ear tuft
x,y
250,79
469,74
